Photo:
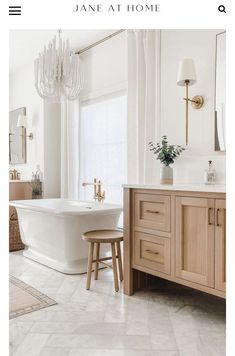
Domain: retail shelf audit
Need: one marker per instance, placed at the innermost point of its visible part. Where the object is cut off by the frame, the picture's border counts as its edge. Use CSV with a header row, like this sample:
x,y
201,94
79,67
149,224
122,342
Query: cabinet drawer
x,y
153,211
152,252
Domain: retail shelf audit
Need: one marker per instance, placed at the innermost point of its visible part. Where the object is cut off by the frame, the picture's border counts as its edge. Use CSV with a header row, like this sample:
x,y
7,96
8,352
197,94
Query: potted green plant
x,y
36,184
167,155
36,190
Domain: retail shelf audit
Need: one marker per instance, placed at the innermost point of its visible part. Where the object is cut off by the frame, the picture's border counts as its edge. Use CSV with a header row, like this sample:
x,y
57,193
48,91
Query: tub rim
x,y
24,205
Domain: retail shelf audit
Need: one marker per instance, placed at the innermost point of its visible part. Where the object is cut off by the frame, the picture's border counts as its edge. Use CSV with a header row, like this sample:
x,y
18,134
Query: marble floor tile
x,y
51,327
17,332
202,336
114,314
137,327
99,341
169,321
54,351
101,329
69,285
32,345
128,352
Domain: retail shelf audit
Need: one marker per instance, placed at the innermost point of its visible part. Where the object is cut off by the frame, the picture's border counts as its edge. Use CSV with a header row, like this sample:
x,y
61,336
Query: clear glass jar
x,y
210,174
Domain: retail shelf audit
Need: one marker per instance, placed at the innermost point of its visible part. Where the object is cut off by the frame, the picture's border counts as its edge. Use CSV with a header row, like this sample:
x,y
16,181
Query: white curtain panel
x,y
69,149
143,103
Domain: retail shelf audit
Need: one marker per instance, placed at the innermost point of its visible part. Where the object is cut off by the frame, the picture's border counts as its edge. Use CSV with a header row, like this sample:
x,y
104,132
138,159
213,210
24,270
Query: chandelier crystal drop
x,y
58,73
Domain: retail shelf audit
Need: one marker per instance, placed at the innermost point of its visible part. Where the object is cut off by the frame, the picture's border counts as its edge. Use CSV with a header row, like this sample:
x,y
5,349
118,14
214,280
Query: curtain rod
x,y
99,42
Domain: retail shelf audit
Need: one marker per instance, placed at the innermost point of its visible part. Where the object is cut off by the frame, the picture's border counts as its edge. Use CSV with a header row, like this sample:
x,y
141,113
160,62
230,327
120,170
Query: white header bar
x,y
120,14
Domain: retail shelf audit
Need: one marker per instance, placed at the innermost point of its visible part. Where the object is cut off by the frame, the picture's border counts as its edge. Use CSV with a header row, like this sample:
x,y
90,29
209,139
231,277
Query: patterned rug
x,y
26,299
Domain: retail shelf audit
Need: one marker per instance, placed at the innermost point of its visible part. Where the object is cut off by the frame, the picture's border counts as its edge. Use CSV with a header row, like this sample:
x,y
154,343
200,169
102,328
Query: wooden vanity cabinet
x,y
152,252
201,241
194,240
179,236
152,211
220,244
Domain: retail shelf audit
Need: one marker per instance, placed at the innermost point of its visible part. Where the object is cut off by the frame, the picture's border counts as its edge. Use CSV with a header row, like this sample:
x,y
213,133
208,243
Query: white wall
x,y
52,150
106,71
23,93
199,45
44,122
105,68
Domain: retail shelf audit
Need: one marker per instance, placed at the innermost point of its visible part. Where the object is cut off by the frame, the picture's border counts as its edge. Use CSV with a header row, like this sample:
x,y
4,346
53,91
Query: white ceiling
x,y
24,45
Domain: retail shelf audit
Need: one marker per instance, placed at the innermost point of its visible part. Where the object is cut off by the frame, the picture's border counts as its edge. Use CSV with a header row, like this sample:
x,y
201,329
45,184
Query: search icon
x,y
221,8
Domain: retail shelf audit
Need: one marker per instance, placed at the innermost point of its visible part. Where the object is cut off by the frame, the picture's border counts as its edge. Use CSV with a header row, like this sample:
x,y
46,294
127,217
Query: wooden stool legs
x,y
119,261
116,257
97,258
115,275
89,264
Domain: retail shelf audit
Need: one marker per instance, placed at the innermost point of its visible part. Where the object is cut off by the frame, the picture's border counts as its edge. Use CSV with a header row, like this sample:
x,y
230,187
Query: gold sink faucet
x,y
98,195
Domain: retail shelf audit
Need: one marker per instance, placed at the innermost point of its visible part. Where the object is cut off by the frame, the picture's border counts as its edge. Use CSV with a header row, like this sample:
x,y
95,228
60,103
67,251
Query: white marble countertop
x,y
215,188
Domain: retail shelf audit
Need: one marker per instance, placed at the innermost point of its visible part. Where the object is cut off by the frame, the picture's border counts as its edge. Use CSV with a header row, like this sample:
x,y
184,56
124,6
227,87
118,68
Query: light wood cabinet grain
x,y
179,236
20,190
152,252
152,211
194,240
220,244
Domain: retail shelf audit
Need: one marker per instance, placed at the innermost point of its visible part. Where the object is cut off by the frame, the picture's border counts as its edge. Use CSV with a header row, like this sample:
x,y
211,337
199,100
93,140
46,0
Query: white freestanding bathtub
x,y
51,230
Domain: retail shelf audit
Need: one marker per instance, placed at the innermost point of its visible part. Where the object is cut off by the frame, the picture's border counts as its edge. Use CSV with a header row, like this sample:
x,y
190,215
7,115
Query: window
x,y
103,146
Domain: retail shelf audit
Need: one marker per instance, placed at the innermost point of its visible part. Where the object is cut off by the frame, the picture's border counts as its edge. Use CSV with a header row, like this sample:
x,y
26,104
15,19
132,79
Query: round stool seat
x,y
103,236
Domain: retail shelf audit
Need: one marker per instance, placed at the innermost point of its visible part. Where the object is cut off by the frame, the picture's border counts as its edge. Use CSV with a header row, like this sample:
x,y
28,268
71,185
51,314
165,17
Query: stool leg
x,y
119,261
115,276
89,265
97,257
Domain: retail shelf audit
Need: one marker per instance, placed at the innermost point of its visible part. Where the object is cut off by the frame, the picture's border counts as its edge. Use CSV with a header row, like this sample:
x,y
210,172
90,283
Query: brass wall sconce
x,y
187,77
30,136
11,133
22,122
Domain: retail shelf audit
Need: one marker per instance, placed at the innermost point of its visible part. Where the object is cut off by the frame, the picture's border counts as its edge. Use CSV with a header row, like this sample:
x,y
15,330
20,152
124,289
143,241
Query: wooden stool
x,y
104,236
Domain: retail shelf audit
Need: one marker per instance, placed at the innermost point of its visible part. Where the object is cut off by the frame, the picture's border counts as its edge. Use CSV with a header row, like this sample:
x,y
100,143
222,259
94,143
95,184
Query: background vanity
x,y
177,233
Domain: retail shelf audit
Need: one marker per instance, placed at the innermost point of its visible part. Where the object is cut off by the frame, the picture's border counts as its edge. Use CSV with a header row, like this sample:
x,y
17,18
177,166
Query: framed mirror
x,y
17,138
220,92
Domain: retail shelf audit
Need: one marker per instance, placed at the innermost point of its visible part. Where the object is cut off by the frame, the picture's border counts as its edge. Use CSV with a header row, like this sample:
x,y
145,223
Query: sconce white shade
x,y
187,72
22,121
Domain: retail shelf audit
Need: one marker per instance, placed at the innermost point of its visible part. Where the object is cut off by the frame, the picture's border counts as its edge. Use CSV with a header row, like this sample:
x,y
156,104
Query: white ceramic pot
x,y
166,175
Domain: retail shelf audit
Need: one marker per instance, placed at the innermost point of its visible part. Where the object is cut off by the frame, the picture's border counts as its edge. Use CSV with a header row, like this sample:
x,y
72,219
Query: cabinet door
x,y
20,190
220,244
195,240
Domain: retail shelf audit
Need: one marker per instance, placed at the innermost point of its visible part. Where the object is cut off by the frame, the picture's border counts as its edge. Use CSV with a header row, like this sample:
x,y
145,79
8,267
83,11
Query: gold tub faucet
x,y
98,195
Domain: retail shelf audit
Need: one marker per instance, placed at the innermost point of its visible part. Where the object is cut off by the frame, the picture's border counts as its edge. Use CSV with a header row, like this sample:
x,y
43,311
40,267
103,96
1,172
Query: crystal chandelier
x,y
58,72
